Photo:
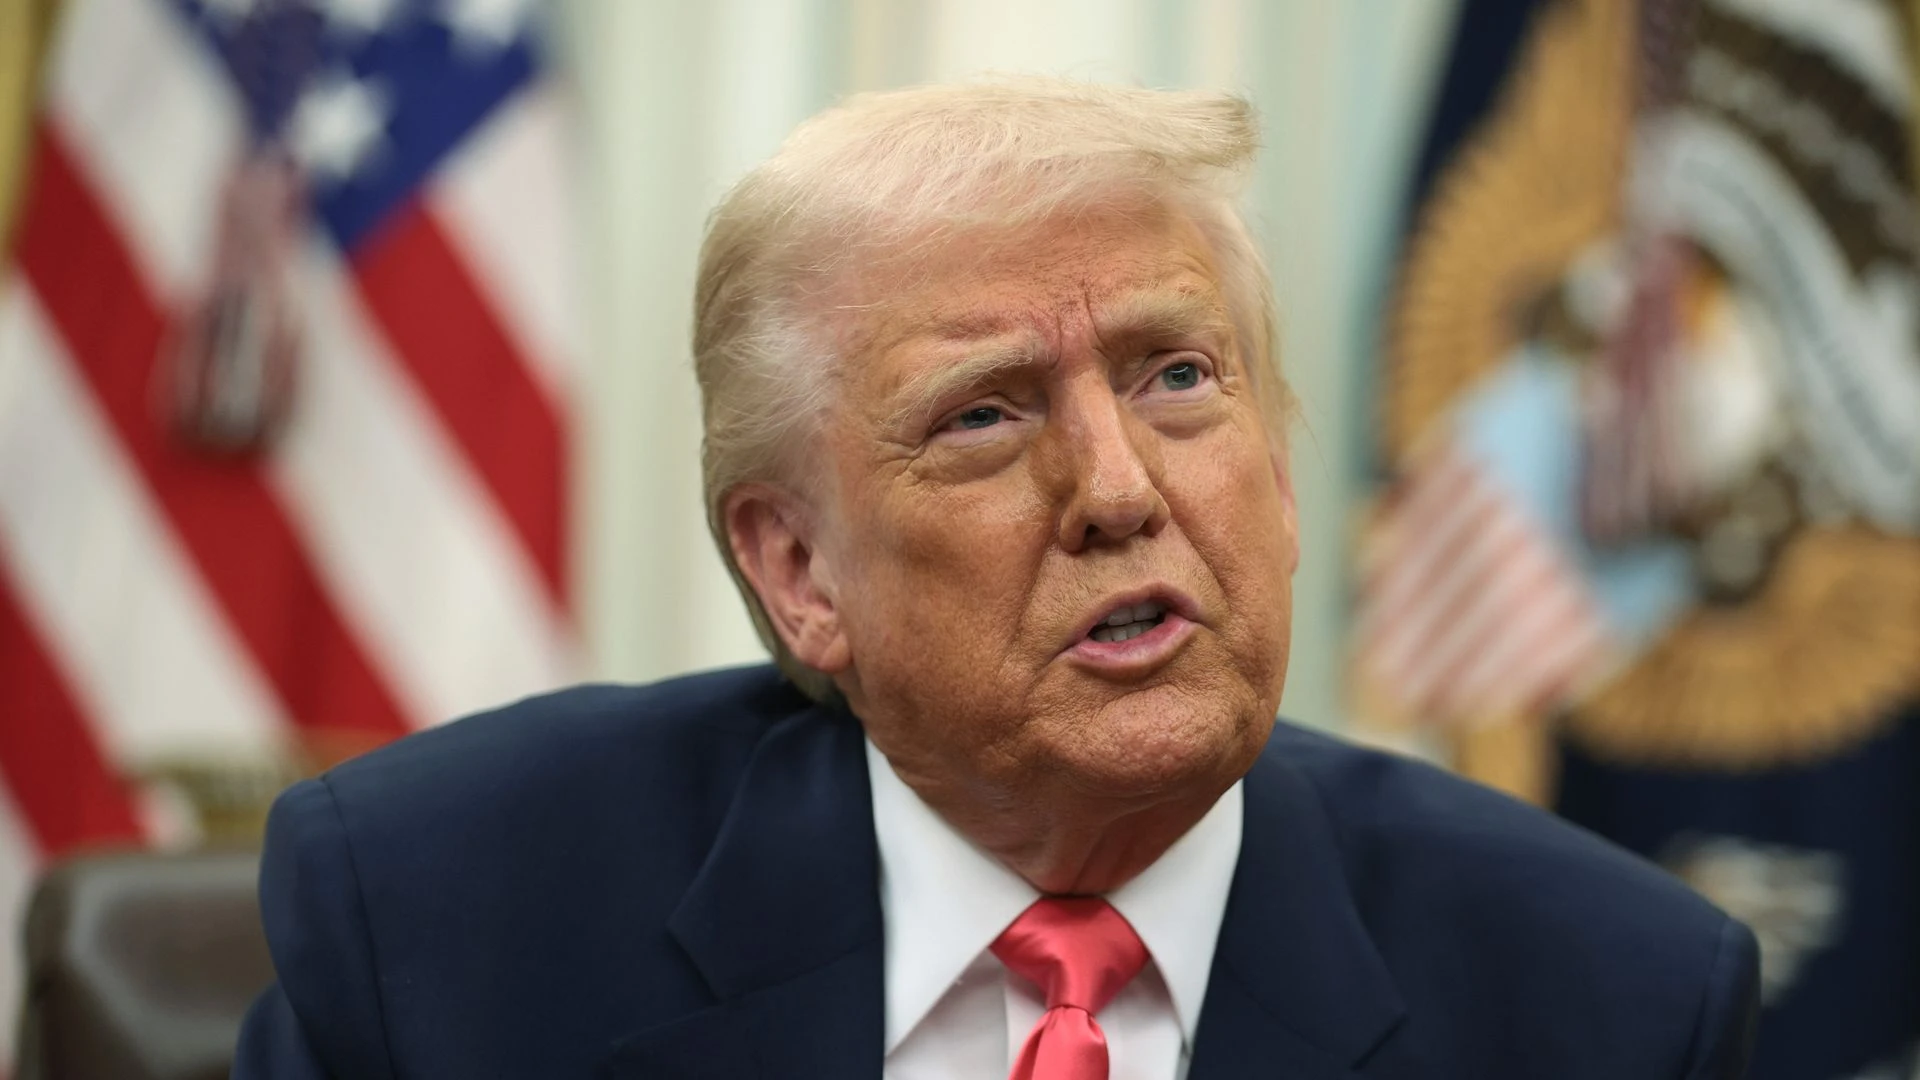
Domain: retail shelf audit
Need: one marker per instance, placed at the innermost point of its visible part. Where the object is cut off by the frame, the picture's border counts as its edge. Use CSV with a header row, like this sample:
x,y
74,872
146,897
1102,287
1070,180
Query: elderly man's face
x,y
1058,543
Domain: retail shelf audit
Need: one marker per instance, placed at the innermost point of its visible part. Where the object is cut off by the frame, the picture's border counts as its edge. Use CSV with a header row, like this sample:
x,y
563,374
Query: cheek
x,y
1234,514
941,564
1237,514
937,616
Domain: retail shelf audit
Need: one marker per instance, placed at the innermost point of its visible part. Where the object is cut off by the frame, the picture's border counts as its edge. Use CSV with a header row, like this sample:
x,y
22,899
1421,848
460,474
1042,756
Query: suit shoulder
x,y
537,849
1479,859
552,737
580,762
1480,905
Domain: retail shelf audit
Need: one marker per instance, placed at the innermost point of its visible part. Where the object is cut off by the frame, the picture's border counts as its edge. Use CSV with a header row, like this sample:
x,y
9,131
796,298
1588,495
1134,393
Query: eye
x,y
1181,376
973,419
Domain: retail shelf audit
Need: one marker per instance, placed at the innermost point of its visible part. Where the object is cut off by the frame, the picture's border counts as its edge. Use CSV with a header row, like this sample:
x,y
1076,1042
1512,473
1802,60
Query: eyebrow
x,y
921,394
1148,314
1164,313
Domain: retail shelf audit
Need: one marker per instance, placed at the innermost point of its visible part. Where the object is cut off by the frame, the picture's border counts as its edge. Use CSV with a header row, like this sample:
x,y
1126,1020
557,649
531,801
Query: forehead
x,y
1088,272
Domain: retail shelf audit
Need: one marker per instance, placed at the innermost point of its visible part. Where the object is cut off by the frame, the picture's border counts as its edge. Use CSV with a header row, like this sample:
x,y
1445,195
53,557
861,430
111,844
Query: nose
x,y
1112,468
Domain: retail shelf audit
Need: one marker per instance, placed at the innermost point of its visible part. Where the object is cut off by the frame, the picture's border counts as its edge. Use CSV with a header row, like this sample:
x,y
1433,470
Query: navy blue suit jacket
x,y
680,881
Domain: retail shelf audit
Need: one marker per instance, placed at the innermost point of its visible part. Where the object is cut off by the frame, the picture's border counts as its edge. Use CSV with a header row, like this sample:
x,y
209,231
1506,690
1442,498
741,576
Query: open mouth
x,y
1130,621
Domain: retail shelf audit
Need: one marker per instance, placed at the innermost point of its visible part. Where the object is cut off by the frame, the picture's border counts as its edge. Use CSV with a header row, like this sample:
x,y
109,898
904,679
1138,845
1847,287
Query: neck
x,y
1067,844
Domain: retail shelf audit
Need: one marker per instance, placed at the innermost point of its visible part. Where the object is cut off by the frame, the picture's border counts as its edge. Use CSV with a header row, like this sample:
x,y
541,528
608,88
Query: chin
x,y
1161,741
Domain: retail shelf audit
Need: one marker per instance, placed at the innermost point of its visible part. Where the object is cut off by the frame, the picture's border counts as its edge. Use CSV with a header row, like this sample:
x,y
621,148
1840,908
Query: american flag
x,y
286,355
1469,611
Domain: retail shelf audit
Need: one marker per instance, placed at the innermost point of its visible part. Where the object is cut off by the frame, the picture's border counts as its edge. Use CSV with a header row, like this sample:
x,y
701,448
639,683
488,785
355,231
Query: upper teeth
x,y
1136,613
1129,622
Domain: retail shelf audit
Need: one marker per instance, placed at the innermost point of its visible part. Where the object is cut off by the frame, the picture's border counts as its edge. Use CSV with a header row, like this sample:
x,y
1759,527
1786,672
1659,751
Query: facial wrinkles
x,y
1128,462
1104,470
907,527
1121,466
1087,418
1246,483
924,532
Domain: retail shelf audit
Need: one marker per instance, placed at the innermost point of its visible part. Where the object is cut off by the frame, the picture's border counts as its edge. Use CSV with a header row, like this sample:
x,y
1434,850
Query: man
x,y
995,445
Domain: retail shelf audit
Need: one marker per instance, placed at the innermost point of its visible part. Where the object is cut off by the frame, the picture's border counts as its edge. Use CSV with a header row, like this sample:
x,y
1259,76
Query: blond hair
x,y
879,170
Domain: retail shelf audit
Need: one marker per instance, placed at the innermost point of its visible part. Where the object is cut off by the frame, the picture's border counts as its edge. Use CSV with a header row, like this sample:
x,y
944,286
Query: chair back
x,y
141,966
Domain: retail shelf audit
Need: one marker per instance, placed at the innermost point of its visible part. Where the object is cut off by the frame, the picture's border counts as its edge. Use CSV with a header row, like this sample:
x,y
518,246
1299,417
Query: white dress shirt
x,y
955,1013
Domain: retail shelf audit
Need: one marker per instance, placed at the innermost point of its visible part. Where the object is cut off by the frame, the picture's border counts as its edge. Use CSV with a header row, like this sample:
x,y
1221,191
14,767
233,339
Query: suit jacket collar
x,y
783,921
1298,988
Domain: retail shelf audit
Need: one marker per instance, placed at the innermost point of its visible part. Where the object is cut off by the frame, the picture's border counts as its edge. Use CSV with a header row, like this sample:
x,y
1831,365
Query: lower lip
x,y
1136,655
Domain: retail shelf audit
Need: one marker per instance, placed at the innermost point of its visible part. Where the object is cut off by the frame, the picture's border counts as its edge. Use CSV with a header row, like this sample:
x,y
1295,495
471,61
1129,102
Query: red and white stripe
x,y
1468,609
400,557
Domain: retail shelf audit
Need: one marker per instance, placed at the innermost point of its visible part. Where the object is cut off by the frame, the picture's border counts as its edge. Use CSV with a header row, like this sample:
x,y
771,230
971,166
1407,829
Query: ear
x,y
773,542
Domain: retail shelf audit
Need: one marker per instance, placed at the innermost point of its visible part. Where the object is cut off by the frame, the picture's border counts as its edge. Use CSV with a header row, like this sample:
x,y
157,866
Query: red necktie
x,y
1079,952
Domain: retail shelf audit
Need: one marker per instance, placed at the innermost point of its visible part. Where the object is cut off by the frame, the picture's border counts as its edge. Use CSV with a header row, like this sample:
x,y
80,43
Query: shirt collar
x,y
1176,904
944,901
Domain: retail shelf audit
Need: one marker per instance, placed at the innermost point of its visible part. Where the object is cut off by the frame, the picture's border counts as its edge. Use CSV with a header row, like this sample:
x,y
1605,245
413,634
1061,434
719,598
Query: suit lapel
x,y
783,922
1297,988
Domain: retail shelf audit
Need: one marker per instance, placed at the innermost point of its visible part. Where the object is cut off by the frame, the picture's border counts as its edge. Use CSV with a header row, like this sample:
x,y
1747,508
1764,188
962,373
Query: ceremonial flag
x,y
286,364
1649,431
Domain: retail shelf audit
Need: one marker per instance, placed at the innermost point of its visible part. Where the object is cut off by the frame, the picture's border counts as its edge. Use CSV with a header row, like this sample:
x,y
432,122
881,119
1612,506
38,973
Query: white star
x,y
485,25
358,16
338,126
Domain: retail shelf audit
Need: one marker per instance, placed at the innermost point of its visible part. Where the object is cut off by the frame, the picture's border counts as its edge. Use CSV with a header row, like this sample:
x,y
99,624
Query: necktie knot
x,y
1079,951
